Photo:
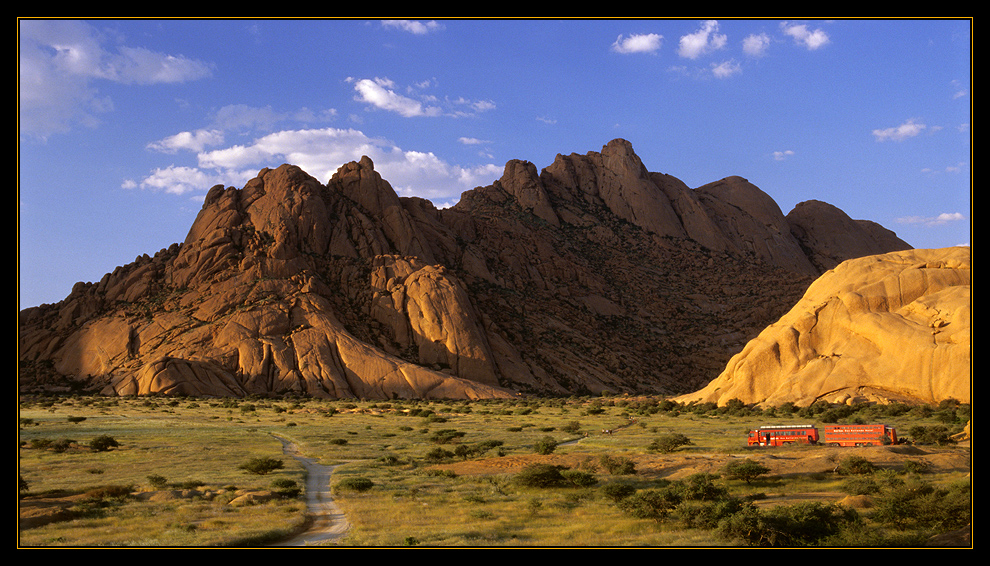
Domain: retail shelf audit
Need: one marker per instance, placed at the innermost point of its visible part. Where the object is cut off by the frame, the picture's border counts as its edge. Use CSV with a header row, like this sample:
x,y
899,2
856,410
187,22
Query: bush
x,y
103,443
579,478
446,436
699,487
62,444
358,484
157,481
708,514
545,445
654,504
572,427
617,466
541,475
918,504
261,466
855,465
438,455
938,435
805,524
618,490
286,488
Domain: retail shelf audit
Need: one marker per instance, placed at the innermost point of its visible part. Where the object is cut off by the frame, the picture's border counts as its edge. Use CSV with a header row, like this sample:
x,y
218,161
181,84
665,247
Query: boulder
x,y
881,328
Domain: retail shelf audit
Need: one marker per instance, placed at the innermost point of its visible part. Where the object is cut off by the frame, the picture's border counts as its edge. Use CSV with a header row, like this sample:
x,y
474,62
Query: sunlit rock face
x,y
881,328
590,275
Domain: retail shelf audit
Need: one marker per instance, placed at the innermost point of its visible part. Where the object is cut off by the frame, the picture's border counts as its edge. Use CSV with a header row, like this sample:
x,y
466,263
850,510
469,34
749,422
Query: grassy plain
x,y
425,489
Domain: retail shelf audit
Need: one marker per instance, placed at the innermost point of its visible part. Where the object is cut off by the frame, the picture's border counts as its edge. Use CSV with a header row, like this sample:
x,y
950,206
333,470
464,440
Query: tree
x,y
746,470
261,466
669,442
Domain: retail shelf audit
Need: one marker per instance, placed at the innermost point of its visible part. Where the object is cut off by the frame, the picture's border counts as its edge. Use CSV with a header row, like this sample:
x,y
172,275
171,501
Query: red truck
x,y
779,435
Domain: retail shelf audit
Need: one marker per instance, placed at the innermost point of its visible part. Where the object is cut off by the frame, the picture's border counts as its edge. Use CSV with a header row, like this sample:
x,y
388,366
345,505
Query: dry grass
x,y
463,502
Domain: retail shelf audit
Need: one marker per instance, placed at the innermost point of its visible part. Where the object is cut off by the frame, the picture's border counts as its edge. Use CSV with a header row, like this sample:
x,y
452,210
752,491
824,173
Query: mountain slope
x,y
593,274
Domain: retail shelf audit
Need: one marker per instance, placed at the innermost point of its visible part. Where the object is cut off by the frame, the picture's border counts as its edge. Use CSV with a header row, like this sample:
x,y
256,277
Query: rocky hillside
x,y
881,328
589,275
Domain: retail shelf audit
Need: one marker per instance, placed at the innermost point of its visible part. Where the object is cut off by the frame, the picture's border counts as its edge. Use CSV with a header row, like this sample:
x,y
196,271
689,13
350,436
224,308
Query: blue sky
x,y
125,124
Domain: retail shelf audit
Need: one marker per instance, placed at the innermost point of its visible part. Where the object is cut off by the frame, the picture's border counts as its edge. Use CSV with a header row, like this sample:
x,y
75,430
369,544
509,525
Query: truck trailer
x,y
858,435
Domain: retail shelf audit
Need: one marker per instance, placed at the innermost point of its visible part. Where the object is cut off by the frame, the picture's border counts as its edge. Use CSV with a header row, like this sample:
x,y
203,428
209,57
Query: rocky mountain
x,y
592,274
881,328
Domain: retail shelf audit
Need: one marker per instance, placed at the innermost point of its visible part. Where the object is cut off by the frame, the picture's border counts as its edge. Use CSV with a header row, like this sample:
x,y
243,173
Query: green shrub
x,y
699,487
653,504
446,436
579,478
545,445
261,466
804,524
938,435
617,465
618,490
438,455
572,427
708,514
921,505
284,487
854,464
358,484
542,476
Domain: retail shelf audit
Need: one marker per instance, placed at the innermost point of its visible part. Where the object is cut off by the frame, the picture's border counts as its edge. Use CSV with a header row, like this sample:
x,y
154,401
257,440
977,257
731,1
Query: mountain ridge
x,y
590,275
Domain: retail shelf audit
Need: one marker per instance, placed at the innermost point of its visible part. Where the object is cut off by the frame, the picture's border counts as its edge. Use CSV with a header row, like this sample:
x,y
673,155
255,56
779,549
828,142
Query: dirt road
x,y
328,523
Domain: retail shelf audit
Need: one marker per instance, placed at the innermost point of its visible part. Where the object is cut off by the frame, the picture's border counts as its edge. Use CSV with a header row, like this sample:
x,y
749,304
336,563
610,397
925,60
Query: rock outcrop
x,y
889,327
591,275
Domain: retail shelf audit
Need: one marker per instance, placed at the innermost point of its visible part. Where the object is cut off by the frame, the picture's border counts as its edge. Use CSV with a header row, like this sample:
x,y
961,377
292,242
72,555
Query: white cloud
x,y
756,45
638,43
192,141
705,40
782,155
378,94
62,64
320,152
802,35
726,69
908,129
177,180
413,26
939,220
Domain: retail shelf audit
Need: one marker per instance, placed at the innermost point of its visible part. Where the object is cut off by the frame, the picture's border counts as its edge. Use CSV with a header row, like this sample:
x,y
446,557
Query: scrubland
x,y
579,471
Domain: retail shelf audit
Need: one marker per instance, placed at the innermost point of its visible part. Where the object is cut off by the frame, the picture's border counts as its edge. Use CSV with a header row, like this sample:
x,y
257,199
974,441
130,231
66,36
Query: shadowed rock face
x,y
593,274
